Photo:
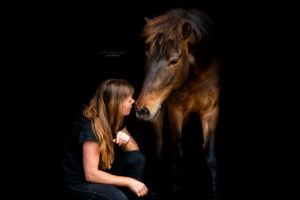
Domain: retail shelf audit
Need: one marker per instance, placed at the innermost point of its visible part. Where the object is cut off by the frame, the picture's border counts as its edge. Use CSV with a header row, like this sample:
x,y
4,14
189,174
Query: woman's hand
x,y
137,187
121,138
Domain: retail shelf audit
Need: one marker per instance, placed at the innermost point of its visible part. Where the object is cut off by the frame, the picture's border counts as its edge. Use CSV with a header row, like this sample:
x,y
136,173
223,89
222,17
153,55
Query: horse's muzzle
x,y
142,114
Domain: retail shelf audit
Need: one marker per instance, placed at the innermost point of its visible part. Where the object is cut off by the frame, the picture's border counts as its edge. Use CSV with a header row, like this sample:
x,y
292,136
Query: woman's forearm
x,y
130,146
100,176
138,187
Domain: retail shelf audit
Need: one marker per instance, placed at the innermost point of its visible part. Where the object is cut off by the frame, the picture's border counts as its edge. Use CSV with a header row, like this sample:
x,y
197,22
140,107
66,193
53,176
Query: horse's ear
x,y
186,30
147,19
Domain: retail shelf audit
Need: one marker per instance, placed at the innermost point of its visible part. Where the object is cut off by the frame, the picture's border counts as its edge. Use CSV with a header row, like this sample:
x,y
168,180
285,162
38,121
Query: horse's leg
x,y
157,182
209,124
175,123
158,128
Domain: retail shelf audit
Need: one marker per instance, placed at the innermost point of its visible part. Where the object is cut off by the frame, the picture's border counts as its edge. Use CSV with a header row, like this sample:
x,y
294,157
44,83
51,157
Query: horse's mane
x,y
168,27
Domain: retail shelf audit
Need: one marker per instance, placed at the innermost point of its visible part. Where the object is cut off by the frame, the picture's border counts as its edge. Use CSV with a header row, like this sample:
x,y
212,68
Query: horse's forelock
x,y
169,26
162,31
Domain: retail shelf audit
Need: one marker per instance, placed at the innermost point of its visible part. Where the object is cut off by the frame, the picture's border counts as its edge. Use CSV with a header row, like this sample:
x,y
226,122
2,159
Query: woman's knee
x,y
96,192
136,158
119,195
109,192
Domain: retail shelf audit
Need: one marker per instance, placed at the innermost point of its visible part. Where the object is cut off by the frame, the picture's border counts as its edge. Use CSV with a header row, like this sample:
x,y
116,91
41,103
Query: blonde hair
x,y
106,115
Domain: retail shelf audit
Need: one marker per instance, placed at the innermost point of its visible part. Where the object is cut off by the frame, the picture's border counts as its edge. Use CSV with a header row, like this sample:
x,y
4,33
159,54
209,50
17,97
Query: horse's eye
x,y
173,62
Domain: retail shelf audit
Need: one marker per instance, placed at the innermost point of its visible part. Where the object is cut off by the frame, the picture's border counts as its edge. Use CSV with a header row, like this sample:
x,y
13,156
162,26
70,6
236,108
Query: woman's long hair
x,y
106,115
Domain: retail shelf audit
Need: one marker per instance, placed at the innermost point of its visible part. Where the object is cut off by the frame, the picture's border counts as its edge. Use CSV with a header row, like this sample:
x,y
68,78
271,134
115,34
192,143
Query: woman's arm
x,y
94,175
131,145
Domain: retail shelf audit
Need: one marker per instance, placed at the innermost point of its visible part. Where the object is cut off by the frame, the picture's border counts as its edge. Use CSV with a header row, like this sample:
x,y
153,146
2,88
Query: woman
x,y
101,157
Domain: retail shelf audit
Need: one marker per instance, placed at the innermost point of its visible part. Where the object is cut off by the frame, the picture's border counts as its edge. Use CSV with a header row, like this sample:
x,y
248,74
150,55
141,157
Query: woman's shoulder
x,y
81,121
84,129
81,118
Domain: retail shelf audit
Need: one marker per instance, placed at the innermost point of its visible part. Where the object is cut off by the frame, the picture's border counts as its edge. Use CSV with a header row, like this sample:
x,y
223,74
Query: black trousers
x,y
131,164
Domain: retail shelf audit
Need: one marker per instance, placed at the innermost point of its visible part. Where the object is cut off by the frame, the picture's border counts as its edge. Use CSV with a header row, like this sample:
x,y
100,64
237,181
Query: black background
x,y
65,52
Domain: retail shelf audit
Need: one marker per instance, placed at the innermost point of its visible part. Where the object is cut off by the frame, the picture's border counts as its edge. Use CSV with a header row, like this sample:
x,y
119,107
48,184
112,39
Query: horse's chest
x,y
192,101
183,100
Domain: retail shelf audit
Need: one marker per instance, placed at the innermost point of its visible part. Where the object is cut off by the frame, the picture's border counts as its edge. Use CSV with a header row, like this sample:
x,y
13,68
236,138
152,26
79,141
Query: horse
x,y
182,76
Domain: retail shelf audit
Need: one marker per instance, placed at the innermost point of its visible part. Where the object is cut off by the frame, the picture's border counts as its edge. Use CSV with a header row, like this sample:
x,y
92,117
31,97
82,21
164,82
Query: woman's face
x,y
127,105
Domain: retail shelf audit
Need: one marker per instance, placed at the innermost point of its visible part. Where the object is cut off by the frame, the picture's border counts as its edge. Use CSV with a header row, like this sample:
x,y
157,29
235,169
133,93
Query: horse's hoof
x,y
216,196
176,188
178,154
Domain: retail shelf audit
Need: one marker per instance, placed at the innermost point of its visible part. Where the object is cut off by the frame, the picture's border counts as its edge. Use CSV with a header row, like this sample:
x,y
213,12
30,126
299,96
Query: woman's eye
x,y
173,62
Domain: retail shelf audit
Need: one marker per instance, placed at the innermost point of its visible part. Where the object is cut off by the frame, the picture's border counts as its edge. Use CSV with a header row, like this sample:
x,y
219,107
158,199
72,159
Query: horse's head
x,y
167,63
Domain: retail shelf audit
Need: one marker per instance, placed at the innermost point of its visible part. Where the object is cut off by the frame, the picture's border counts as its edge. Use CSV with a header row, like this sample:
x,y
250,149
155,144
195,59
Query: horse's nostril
x,y
143,112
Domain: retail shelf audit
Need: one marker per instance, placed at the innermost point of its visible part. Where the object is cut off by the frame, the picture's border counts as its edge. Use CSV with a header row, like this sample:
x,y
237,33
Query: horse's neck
x,y
199,66
203,69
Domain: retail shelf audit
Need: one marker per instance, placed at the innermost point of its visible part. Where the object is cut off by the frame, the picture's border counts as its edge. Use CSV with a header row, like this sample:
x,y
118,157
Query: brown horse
x,y
181,77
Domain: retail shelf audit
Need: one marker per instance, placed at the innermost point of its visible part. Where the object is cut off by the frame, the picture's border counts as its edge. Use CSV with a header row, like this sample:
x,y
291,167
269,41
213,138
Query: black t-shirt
x,y
72,162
